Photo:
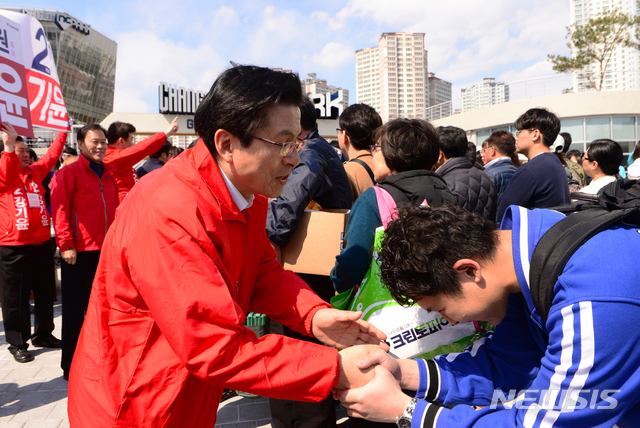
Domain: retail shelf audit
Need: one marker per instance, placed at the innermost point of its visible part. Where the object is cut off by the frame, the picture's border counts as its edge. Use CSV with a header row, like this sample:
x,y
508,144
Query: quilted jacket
x,y
473,188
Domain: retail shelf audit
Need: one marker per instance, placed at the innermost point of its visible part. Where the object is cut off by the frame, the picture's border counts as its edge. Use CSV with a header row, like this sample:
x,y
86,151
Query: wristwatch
x,y
403,420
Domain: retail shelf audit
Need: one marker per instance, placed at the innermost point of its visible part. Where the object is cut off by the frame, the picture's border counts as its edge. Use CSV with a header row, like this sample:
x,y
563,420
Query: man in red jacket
x,y
122,155
188,258
26,257
84,198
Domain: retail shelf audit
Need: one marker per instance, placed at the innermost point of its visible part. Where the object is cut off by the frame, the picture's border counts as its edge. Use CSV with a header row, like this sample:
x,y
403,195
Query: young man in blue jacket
x,y
579,369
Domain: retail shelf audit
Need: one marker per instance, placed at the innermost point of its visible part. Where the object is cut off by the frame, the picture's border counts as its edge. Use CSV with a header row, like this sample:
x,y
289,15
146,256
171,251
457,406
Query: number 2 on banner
x,y
37,60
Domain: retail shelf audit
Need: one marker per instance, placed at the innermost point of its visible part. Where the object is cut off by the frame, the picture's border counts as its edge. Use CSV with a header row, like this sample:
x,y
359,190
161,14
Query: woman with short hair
x,y
601,162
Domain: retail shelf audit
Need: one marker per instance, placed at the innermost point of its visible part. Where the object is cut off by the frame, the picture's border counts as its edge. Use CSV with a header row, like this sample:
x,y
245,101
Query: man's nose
x,y
292,159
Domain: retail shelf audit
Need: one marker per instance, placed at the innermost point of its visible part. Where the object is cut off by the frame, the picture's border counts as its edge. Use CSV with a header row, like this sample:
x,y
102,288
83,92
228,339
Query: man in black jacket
x,y
473,188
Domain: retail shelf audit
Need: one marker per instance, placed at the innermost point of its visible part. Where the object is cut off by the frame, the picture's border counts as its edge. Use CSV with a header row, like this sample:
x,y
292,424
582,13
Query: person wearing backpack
x,y
570,355
405,152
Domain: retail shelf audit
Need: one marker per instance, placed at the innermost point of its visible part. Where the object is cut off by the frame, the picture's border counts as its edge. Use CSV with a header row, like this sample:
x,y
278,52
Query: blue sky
x,y
189,42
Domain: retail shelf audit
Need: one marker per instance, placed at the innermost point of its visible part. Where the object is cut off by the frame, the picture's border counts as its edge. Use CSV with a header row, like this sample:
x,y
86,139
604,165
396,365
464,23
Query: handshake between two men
x,y
371,383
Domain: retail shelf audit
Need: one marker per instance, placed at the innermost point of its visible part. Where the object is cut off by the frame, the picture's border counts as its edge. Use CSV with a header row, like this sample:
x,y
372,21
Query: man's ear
x,y
468,270
347,140
223,141
537,136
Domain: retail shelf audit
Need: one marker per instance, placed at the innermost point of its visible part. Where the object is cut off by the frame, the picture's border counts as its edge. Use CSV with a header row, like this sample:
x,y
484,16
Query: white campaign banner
x,y
30,93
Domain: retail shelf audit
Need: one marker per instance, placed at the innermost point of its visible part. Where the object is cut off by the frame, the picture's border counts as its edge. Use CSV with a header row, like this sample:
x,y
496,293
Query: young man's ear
x,y
468,270
536,136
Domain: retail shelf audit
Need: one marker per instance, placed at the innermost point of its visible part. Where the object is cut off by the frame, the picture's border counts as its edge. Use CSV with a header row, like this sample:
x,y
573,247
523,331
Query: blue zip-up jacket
x,y
588,375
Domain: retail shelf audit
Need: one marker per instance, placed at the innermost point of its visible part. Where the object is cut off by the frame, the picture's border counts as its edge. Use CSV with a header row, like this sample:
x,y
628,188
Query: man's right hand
x,y
404,371
9,137
351,375
70,256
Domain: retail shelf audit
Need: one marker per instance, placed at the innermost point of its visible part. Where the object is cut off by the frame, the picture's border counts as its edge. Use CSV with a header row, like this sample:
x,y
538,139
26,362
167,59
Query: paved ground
x,y
34,394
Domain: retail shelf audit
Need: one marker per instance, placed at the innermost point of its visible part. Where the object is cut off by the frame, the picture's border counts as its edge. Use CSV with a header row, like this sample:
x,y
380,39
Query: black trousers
x,y
24,268
76,289
298,414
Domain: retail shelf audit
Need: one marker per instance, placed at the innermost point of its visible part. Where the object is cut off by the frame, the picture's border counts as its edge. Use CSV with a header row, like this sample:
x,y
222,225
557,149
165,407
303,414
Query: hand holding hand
x,y
380,400
351,376
345,328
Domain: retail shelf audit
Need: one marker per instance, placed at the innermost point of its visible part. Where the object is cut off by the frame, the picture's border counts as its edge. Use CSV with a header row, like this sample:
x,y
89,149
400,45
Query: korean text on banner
x,y
46,103
14,98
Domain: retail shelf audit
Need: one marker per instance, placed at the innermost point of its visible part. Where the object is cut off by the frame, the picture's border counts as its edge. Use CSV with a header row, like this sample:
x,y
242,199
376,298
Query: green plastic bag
x,y
411,331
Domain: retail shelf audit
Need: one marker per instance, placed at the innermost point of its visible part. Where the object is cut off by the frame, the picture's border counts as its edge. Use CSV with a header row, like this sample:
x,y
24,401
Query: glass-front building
x,y
86,64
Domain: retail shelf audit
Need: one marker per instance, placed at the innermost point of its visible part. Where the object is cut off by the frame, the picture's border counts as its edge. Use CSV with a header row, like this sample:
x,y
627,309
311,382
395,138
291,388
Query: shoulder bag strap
x,y
366,167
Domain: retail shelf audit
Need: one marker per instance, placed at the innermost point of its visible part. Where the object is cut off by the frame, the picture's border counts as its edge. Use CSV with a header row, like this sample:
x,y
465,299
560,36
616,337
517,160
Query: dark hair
x,y
420,248
567,141
479,163
166,148
607,153
308,114
32,154
240,99
408,144
572,153
175,151
119,130
70,150
543,120
453,141
505,144
636,151
360,121
82,132
471,152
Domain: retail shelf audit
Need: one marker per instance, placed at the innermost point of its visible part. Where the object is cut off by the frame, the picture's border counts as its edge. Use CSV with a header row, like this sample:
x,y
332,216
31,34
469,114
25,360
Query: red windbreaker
x,y
83,205
163,336
123,160
25,219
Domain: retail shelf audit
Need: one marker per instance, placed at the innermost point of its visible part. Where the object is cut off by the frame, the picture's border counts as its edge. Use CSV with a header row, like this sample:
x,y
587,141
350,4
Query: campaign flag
x,y
30,93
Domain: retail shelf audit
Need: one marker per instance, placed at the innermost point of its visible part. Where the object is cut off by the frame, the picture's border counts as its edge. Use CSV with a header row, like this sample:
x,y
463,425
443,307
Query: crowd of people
x,y
159,274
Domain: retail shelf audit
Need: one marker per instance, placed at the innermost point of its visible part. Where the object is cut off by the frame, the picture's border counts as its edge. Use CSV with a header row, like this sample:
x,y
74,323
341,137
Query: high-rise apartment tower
x,y
392,77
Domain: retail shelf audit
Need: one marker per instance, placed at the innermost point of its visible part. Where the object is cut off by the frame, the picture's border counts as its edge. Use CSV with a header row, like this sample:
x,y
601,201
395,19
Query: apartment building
x,y
392,77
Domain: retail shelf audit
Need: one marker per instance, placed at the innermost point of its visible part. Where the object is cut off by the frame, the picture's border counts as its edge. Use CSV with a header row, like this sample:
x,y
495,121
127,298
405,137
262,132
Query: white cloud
x,y
333,55
467,37
144,60
189,45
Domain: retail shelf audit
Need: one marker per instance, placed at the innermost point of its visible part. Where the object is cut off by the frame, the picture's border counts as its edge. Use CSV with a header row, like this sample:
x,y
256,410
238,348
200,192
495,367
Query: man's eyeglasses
x,y
287,148
374,149
484,149
520,130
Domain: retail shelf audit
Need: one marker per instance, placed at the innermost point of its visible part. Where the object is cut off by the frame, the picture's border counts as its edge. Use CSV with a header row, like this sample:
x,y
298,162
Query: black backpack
x,y
617,202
